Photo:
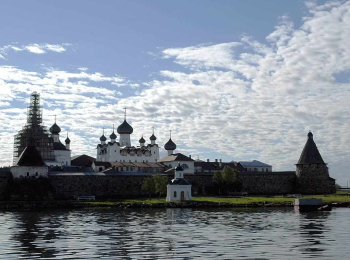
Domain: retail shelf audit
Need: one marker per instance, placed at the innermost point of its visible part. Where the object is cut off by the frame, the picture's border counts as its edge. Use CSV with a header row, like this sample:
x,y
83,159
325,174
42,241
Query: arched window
x,y
184,166
174,194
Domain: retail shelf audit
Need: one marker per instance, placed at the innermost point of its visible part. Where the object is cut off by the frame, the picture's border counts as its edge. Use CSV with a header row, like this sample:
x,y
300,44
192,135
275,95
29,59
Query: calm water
x,y
175,233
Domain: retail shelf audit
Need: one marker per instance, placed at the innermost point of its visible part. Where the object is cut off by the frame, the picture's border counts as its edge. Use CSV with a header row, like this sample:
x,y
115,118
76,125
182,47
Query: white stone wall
x,y
113,155
124,140
174,192
62,157
190,165
29,171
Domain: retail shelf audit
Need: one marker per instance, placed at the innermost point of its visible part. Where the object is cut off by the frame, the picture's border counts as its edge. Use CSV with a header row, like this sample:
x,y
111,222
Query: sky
x,y
233,80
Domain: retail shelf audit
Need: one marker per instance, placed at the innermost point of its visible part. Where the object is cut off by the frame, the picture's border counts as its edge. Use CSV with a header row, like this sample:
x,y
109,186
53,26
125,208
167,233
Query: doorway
x,y
182,195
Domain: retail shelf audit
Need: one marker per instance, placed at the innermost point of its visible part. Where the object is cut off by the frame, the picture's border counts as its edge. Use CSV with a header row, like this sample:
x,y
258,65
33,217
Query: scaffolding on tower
x,y
34,133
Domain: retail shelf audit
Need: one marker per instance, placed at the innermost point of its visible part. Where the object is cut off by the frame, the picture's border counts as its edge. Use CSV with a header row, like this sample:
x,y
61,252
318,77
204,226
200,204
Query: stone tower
x,y
312,172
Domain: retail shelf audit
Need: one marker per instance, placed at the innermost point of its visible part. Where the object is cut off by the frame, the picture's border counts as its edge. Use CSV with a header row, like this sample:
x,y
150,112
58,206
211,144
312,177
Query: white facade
x,y
178,192
187,166
61,158
123,151
29,171
61,152
179,189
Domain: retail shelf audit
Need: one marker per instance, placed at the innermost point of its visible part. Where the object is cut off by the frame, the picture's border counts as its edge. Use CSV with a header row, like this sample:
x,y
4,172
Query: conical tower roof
x,y
30,157
310,152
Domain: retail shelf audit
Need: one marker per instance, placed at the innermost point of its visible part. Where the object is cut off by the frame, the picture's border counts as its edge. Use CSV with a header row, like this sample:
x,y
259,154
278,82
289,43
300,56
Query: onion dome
x,y
142,141
179,168
55,129
125,128
170,145
103,138
113,136
153,137
67,140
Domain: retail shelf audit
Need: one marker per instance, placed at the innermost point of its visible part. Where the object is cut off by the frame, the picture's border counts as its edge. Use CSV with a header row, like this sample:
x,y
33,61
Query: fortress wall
x,y
269,183
68,187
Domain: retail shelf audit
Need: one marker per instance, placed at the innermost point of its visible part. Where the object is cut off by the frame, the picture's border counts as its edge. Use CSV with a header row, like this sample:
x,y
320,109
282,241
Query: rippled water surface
x,y
175,233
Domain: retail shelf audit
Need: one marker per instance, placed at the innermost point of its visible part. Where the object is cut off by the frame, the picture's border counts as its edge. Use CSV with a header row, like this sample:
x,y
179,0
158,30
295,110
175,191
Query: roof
x,y
55,129
179,181
105,164
217,166
153,137
82,160
254,163
142,140
113,136
125,128
30,157
170,145
59,146
103,138
310,153
175,157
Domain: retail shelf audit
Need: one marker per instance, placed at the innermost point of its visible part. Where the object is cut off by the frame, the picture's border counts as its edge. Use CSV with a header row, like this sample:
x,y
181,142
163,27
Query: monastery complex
x,y
120,167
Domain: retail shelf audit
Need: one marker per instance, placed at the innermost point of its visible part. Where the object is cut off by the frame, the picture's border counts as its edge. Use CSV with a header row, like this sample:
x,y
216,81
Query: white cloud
x,y
243,100
33,48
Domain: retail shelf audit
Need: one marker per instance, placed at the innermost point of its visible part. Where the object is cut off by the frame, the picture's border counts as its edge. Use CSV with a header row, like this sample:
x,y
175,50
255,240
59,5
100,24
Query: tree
x,y
227,180
160,184
231,179
217,178
149,186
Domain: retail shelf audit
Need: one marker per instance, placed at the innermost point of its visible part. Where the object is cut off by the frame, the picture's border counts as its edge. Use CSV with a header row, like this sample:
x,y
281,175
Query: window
x,y
184,166
255,169
36,174
127,168
174,194
27,174
135,160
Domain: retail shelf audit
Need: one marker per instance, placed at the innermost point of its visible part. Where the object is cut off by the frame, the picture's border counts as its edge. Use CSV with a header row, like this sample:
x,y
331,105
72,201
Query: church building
x,y
123,150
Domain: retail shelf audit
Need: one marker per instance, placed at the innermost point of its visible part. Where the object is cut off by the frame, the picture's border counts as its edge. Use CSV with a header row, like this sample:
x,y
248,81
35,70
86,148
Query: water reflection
x,y
174,233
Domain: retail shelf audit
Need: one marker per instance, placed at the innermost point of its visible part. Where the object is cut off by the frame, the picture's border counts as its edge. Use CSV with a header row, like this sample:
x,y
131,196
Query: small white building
x,y
179,189
30,164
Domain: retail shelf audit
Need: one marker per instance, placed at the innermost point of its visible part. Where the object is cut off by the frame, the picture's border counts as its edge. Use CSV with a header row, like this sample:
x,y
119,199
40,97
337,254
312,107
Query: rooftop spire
x,y
124,113
310,153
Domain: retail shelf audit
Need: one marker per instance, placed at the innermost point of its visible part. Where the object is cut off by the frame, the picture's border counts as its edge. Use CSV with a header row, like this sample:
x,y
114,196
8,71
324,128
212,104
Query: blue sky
x,y
237,80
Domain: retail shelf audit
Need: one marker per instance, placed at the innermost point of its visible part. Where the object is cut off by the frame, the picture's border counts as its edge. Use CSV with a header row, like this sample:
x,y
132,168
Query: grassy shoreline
x,y
197,202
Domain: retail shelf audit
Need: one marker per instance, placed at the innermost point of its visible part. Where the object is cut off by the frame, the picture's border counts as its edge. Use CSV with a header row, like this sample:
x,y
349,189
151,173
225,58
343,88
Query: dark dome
x,y
310,135
142,141
179,168
125,128
170,145
153,137
103,138
67,140
55,129
113,136
179,181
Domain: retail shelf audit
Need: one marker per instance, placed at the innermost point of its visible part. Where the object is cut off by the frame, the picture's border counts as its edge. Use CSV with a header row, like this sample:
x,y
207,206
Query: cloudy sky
x,y
237,80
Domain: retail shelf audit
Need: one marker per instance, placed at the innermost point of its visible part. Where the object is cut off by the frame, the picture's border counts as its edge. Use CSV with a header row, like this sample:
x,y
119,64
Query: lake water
x,y
175,234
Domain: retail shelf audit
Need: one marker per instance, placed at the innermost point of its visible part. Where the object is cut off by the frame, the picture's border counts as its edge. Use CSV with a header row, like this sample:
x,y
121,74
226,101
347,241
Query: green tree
x,y
227,180
149,186
160,184
218,179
